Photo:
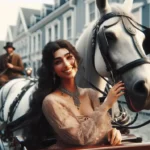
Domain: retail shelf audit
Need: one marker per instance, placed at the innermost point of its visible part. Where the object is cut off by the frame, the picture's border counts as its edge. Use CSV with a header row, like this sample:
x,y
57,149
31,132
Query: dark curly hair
x,y
40,127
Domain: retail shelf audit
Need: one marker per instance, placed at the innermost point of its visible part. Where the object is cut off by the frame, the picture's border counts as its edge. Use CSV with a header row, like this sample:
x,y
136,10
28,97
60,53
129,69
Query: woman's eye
x,y
57,62
69,57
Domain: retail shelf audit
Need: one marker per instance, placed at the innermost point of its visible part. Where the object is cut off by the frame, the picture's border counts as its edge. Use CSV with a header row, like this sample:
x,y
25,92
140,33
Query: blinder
x,y
146,42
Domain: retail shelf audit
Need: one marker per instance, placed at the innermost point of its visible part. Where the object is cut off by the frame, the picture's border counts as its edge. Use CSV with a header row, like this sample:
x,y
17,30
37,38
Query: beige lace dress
x,y
75,130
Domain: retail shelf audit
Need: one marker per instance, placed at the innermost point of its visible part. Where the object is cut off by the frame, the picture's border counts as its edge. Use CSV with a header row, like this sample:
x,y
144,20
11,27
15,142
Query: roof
x,y
12,28
48,5
28,13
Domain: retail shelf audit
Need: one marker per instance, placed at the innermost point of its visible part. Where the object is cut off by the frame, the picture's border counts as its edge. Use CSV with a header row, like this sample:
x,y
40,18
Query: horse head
x,y
118,51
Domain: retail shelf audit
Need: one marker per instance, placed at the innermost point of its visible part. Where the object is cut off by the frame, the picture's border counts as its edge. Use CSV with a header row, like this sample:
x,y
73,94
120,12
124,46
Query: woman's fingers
x,y
120,94
115,138
109,136
114,93
113,135
120,89
117,85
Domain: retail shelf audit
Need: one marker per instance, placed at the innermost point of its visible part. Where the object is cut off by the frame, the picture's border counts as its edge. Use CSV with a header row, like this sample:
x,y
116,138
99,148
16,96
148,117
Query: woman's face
x,y
65,65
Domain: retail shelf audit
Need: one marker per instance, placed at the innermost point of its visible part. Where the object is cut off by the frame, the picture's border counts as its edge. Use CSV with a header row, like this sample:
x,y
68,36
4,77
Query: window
x,y
56,32
32,20
57,3
34,68
39,41
69,27
50,34
91,11
34,43
52,31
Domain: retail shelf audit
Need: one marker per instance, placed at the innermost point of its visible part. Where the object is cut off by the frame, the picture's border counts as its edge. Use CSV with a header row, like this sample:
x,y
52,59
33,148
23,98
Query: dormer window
x,y
43,12
46,9
32,20
57,3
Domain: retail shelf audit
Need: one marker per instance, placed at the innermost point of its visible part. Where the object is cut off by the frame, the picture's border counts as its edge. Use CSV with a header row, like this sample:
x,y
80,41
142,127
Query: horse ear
x,y
128,5
103,6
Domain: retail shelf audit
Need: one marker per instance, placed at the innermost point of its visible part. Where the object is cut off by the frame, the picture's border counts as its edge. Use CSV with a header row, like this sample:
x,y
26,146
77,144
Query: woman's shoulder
x,y
51,98
93,95
88,91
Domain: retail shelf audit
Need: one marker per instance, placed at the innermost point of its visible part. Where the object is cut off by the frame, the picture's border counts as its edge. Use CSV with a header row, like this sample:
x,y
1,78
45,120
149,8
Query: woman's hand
x,y
115,92
114,137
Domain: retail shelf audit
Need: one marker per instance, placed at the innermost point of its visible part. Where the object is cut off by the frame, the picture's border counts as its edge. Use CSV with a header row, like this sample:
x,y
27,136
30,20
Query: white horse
x,y
117,54
122,52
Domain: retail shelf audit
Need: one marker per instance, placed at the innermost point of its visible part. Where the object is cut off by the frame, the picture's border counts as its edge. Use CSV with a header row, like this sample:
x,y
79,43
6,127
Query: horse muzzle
x,y
137,95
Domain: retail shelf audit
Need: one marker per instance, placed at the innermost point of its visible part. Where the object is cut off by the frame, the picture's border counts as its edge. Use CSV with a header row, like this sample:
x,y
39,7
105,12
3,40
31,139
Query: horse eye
x,y
110,36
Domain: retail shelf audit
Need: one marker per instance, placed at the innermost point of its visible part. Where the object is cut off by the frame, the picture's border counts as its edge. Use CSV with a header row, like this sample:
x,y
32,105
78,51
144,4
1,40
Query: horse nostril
x,y
140,88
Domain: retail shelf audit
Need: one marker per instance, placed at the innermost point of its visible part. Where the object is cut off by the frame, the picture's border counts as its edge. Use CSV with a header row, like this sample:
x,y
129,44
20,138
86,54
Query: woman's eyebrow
x,y
60,57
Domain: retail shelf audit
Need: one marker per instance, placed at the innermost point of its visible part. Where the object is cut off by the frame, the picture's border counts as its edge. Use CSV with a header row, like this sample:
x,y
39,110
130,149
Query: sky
x,y
9,12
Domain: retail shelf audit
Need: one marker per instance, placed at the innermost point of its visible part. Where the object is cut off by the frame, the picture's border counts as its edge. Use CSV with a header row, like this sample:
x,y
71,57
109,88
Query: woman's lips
x,y
68,71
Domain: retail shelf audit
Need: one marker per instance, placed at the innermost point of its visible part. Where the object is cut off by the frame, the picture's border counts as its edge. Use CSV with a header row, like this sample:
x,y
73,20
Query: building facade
x,y
66,19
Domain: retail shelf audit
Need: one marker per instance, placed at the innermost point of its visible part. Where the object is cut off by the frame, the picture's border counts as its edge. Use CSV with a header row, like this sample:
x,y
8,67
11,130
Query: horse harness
x,y
99,35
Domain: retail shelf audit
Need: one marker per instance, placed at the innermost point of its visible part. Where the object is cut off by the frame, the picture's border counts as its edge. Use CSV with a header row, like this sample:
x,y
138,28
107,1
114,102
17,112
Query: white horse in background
x,y
122,51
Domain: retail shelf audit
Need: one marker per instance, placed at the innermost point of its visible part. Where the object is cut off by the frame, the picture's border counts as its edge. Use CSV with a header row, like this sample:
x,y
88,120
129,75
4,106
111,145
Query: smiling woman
x,y
73,113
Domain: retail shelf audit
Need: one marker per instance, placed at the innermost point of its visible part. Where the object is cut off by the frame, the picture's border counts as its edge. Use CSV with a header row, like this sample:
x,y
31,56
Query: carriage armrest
x,y
131,138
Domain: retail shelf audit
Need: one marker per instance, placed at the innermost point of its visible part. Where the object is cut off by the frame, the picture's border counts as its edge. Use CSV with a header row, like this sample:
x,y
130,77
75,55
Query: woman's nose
x,y
66,63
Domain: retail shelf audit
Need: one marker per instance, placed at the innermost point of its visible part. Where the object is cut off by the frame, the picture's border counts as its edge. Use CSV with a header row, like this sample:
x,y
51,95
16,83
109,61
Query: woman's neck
x,y
69,85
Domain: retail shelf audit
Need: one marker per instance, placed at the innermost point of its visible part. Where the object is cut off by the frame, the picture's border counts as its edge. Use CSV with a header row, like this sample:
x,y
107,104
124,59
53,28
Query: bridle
x,y
99,35
130,27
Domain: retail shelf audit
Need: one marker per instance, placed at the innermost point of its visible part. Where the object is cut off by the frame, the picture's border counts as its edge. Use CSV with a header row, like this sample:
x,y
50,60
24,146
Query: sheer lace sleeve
x,y
76,130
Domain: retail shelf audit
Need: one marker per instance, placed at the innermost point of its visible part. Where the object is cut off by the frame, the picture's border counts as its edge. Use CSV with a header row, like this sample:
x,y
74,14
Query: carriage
x,y
116,34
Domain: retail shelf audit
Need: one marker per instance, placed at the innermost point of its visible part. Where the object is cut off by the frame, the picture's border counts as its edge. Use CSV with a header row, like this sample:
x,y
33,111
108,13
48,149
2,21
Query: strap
x,y
132,64
3,126
92,85
17,100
